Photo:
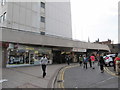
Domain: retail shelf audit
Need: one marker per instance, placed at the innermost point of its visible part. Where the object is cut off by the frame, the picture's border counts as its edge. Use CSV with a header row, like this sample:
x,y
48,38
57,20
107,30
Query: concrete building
x,y
119,23
50,18
119,26
30,29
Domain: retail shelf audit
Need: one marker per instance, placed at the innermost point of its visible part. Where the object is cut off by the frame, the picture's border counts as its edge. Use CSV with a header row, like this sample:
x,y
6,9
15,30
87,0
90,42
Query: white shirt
x,y
44,60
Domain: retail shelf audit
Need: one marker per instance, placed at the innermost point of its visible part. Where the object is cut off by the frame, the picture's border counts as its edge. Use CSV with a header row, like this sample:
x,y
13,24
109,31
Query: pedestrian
x,y
104,57
102,64
44,62
114,62
85,60
80,60
117,63
90,63
68,59
92,57
98,58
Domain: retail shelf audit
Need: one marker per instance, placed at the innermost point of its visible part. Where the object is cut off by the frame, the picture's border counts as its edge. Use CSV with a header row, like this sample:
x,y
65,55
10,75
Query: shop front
x,y
59,54
76,52
26,55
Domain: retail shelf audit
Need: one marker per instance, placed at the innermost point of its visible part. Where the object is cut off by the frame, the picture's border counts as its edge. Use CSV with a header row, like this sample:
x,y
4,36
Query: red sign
x,y
5,44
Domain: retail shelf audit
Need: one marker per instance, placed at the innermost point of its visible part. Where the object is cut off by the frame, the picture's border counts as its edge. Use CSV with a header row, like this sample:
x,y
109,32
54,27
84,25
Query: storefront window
x,y
16,57
26,55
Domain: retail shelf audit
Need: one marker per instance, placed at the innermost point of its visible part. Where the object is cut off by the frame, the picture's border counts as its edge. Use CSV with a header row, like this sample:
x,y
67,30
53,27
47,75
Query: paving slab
x,y
29,77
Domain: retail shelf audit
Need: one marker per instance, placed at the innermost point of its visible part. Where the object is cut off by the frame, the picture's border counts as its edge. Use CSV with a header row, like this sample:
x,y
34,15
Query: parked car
x,y
109,59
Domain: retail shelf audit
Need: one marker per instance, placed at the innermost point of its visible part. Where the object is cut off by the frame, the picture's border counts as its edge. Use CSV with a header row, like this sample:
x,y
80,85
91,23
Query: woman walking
x,y
92,57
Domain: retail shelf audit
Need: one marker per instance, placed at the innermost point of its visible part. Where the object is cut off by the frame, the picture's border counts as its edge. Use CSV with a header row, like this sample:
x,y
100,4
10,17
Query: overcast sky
x,y
95,19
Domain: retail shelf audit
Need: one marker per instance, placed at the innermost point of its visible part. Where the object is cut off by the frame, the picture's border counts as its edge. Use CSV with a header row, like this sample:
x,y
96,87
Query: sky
x,y
95,19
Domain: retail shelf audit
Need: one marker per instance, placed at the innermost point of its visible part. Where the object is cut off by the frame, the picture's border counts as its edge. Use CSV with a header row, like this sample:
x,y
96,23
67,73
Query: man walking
x,y
80,60
90,63
68,59
85,60
44,62
102,64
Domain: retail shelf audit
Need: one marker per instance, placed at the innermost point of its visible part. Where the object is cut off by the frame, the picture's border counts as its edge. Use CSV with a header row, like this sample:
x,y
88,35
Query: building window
x,y
1,19
4,16
42,19
3,2
42,4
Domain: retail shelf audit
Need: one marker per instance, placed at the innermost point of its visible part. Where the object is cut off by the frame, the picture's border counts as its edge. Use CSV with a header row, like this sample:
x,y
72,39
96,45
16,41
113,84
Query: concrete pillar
x,y
118,48
4,57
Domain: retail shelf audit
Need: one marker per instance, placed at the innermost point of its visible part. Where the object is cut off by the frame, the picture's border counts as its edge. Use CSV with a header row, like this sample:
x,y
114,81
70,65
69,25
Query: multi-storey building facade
x,y
119,26
30,29
51,18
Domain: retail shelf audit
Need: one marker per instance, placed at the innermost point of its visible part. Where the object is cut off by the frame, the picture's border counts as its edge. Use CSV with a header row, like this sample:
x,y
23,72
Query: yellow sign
x,y
67,52
36,51
30,48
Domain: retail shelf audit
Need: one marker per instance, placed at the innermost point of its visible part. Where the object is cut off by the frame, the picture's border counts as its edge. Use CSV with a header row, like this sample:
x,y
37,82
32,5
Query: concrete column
x,y
4,57
118,48
0,66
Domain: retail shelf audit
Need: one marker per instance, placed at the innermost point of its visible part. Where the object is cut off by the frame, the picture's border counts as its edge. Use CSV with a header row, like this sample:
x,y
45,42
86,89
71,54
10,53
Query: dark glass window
x,y
4,16
42,19
3,2
0,19
42,4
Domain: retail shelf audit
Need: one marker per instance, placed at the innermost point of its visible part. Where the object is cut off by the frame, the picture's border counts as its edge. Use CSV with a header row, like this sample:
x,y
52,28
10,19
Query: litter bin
x,y
49,61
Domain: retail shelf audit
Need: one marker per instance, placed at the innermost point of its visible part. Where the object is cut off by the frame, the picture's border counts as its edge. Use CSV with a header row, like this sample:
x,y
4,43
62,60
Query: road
x,y
78,77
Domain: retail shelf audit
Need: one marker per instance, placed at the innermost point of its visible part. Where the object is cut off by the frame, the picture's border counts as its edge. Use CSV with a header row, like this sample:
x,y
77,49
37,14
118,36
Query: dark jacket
x,y
101,61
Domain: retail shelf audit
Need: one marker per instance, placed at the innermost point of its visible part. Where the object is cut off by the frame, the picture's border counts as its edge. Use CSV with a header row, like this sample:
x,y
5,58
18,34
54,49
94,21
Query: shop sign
x,y
78,50
67,52
36,51
29,48
5,45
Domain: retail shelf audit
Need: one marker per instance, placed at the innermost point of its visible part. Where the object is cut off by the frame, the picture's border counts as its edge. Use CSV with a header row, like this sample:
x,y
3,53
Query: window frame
x,y
42,19
3,2
4,16
1,20
42,4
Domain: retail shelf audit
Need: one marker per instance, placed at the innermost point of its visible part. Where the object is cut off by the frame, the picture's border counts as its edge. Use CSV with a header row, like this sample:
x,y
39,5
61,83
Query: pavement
x,y
30,76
